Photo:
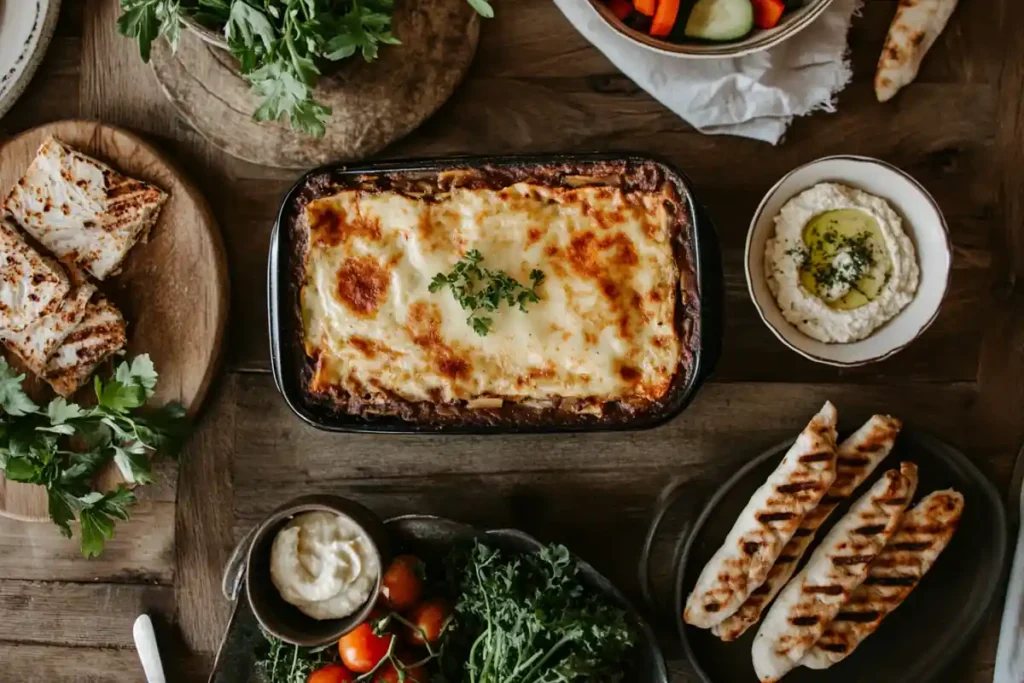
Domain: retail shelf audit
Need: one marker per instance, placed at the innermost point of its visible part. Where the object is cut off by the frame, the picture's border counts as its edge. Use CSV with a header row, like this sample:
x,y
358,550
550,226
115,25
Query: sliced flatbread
x,y
914,30
100,335
83,210
814,597
35,343
31,285
924,533
857,457
766,524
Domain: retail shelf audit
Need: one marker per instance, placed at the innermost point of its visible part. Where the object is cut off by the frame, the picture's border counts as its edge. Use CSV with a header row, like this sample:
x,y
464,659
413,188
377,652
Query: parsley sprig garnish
x,y
480,290
280,44
63,446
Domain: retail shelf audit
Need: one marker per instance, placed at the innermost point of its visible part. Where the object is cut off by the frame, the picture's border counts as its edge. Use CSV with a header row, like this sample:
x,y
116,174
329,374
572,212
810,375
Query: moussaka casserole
x,y
505,295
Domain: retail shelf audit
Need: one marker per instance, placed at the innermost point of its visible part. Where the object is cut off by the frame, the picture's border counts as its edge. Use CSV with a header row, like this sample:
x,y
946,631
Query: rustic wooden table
x,y
537,86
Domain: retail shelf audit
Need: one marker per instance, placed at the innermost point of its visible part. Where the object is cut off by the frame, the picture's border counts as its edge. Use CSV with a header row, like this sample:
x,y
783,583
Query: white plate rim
x,y
14,82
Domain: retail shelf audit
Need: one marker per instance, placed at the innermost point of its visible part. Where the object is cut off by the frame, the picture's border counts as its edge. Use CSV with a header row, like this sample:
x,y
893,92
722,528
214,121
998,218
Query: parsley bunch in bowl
x,y
282,46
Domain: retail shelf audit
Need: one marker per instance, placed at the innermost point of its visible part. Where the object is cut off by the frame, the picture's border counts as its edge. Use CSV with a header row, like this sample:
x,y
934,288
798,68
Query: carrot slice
x,y
646,7
768,12
621,8
665,18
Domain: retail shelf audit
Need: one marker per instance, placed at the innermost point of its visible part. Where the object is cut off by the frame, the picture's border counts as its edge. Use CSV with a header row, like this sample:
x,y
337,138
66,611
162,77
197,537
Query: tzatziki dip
x,y
324,564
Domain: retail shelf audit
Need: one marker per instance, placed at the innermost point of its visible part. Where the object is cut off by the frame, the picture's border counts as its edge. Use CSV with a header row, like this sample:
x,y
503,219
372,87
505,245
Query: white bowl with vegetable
x,y
847,260
709,29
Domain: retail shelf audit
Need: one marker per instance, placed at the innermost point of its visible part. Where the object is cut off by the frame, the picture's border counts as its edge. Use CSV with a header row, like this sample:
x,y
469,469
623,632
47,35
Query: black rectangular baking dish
x,y
287,354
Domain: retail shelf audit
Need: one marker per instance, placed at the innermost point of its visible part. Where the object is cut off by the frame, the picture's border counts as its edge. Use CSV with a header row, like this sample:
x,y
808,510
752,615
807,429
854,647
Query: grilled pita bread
x,y
917,25
766,524
924,533
814,597
857,457
35,343
31,285
83,210
100,334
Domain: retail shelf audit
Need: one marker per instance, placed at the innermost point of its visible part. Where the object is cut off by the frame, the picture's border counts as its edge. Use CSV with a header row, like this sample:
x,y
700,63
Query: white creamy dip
x,y
324,564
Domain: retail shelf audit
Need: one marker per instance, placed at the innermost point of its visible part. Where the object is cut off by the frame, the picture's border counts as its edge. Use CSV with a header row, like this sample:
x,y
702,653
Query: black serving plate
x,y
914,643
428,537
287,360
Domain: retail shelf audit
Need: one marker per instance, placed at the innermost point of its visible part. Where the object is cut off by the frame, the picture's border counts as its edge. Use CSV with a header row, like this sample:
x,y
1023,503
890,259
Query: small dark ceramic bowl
x,y
283,620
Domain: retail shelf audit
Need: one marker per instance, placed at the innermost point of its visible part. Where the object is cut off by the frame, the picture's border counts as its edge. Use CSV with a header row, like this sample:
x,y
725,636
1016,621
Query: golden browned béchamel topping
x,y
603,329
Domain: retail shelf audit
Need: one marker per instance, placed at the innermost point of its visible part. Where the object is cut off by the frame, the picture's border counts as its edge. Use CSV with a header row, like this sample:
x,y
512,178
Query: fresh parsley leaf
x,y
246,24
97,516
146,20
63,447
21,468
481,289
133,462
482,7
60,411
13,399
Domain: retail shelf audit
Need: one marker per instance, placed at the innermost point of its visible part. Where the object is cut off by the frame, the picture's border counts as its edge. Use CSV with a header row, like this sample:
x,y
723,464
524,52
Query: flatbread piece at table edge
x,y
81,209
917,25
766,524
856,458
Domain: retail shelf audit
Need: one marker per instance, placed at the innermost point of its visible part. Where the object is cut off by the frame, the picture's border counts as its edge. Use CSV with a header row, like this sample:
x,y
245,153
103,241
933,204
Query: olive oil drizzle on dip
x,y
843,259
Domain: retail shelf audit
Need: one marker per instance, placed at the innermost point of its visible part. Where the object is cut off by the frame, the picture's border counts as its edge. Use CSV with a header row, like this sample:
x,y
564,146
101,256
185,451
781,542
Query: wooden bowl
x,y
278,617
792,23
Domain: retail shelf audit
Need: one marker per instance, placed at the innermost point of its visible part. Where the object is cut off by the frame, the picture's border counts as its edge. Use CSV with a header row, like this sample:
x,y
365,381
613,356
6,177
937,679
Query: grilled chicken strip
x,y
766,524
924,533
83,210
814,597
857,457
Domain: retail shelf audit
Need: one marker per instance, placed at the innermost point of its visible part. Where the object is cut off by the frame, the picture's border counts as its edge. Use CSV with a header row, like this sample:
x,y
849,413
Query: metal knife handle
x,y
1009,667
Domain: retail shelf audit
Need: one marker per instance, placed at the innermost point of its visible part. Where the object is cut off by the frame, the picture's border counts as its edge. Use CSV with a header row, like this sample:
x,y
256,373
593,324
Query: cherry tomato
x,y
361,648
429,617
389,674
332,673
401,586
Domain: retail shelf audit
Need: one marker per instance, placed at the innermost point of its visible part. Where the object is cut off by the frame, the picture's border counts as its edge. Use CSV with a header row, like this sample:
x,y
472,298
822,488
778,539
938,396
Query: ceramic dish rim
x,y
761,309
723,50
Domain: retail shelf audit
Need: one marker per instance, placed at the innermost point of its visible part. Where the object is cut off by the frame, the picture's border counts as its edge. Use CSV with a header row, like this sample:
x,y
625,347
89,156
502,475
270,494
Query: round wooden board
x,y
374,104
172,290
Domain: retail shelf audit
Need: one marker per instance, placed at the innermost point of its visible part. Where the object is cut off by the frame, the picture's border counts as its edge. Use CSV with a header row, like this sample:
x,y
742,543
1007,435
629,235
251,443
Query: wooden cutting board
x,y
373,104
172,290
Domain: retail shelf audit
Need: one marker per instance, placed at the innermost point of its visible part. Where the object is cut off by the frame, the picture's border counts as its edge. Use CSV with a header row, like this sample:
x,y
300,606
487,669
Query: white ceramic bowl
x,y
759,39
922,221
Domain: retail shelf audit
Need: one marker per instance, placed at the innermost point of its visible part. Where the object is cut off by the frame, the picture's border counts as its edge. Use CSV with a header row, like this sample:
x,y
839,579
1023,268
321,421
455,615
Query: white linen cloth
x,y
755,96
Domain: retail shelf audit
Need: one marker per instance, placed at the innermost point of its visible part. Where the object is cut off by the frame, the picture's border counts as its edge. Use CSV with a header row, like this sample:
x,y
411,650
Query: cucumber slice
x,y
720,19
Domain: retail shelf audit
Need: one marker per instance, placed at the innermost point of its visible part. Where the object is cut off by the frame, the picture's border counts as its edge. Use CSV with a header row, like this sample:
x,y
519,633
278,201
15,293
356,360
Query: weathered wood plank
x,y
562,489
140,552
79,614
204,521
61,665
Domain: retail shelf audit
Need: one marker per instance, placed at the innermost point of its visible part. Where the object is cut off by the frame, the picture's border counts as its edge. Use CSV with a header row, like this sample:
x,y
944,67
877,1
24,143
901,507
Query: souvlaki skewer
x,y
809,602
857,457
766,524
